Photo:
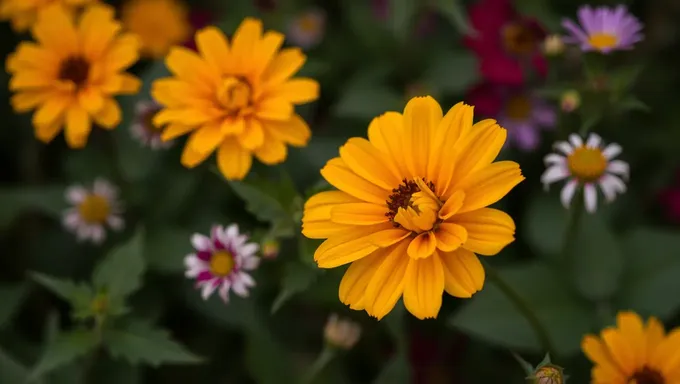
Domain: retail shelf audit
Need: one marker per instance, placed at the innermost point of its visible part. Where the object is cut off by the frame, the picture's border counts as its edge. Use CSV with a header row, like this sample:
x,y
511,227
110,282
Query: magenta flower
x,y
603,29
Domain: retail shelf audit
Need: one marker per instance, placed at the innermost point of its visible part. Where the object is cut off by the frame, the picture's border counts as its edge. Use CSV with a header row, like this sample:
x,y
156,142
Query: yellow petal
x,y
55,30
175,130
30,79
265,50
597,352
341,177
422,246
206,138
78,126
316,218
298,91
424,286
176,93
272,151
386,134
245,40
48,132
387,283
452,205
253,135
619,349
463,273
295,131
359,214
489,230
190,67
233,126
186,116
277,109
121,83
354,282
233,160
366,161
109,115
25,101
488,185
323,229
667,354
450,236
122,53
421,117
283,66
440,166
655,333
347,247
51,110
33,56
214,47
388,237
97,29
91,100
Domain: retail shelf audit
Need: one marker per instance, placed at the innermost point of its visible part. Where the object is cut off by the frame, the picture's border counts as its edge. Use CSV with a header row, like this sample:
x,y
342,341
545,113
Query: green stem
x,y
575,214
325,357
523,307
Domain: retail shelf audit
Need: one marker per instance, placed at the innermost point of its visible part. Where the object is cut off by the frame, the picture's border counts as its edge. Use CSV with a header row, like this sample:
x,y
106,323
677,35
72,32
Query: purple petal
x,y
577,34
204,276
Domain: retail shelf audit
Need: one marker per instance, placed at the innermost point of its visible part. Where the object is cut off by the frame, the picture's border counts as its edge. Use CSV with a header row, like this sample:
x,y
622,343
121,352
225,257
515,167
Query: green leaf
x,y
652,270
397,371
545,224
396,324
165,248
12,371
402,14
539,10
491,317
66,348
139,342
269,202
267,360
632,103
297,278
15,201
451,72
120,273
622,79
11,297
454,11
79,295
367,102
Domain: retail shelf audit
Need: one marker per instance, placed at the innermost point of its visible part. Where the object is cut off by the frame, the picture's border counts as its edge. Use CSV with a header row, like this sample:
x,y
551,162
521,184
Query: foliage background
x,y
627,254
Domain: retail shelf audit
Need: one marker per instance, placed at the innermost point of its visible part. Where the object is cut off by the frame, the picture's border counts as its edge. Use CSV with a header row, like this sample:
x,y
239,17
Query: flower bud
x,y
548,374
270,249
100,304
570,101
341,333
553,45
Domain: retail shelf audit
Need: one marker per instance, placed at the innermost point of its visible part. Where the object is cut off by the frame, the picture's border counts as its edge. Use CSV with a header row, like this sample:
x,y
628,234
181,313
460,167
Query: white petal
x,y
115,222
568,192
215,233
564,147
250,262
224,291
200,242
611,186
246,279
71,219
76,194
232,231
238,241
554,173
575,140
83,232
224,238
194,265
248,249
611,151
98,233
554,158
239,287
209,287
103,188
590,197
594,140
619,167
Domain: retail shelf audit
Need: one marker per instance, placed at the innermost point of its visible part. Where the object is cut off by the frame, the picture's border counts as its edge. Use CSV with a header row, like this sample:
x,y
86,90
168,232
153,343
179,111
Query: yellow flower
x,y
73,71
23,13
411,210
237,97
160,24
632,353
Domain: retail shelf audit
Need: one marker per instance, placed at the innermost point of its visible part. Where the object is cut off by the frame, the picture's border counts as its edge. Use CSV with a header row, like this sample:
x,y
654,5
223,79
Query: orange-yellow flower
x,y
23,13
72,73
160,24
411,208
634,353
238,98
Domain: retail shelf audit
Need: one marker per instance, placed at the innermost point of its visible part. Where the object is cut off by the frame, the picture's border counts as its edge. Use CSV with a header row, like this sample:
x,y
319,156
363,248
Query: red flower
x,y
505,42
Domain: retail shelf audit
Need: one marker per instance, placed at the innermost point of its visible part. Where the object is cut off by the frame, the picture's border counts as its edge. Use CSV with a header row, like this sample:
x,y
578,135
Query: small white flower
x,y
586,165
341,333
143,129
220,261
93,211
306,30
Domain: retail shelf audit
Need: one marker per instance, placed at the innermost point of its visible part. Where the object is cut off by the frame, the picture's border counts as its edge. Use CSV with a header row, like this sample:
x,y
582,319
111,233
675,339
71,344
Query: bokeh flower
x,y
548,374
341,333
24,13
670,199
307,29
505,42
634,352
160,24
603,29
553,45
93,211
71,75
270,248
220,262
143,129
586,165
411,210
237,99
570,101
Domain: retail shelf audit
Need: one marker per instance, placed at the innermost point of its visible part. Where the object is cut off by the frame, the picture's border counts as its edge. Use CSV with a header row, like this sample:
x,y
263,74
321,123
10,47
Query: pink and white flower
x,y
220,262
143,129
586,165
307,29
93,211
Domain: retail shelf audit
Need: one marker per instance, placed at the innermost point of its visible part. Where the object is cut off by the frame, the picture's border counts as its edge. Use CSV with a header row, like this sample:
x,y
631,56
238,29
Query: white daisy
x,y
93,211
220,262
144,130
586,165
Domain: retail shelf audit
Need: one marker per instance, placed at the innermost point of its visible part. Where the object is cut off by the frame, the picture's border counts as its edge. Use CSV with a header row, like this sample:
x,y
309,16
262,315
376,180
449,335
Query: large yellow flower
x,y
72,73
160,24
238,98
23,13
632,353
411,210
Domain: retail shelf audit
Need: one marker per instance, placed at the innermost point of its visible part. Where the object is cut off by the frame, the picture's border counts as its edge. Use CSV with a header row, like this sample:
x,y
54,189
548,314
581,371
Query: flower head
x,y
603,29
570,101
548,374
587,165
411,210
93,211
24,13
307,28
143,128
220,262
160,24
553,45
634,352
341,333
71,75
236,99
270,248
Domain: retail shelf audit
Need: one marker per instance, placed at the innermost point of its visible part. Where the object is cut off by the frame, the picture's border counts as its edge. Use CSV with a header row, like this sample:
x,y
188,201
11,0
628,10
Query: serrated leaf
x,y
165,249
79,295
454,11
11,297
120,273
15,201
269,202
67,347
297,278
139,342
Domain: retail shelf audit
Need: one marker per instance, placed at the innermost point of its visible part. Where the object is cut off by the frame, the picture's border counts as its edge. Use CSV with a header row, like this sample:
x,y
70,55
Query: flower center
x,y
647,376
587,164
518,108
520,38
234,94
221,263
602,41
94,209
75,69
413,205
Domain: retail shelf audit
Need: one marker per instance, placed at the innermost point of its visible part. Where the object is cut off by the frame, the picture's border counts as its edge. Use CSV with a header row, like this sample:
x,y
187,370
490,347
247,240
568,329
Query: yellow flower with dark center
x,y
72,73
238,98
634,353
23,13
160,24
411,208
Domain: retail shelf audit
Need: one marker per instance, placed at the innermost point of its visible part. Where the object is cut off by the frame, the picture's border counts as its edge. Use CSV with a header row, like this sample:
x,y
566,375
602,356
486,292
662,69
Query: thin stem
x,y
523,307
325,357
575,214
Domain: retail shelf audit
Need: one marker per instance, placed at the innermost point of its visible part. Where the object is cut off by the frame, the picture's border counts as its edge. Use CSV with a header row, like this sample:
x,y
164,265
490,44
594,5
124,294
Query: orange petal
x,y
488,230
463,273
359,214
355,281
422,246
452,205
424,286
387,283
233,160
450,236
341,177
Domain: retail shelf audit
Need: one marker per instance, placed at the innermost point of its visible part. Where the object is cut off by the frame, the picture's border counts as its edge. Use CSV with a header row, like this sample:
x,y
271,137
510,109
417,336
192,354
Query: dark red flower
x,y
670,199
198,19
505,42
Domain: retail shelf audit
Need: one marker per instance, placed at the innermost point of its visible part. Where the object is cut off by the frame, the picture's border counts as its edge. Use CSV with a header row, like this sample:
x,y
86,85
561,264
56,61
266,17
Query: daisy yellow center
x,y
518,108
587,164
647,376
94,209
234,94
75,69
309,24
602,41
221,263
413,206
147,122
519,38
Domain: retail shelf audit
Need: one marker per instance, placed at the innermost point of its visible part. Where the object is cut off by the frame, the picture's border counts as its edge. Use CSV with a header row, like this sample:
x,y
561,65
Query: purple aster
x,y
603,29
524,116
